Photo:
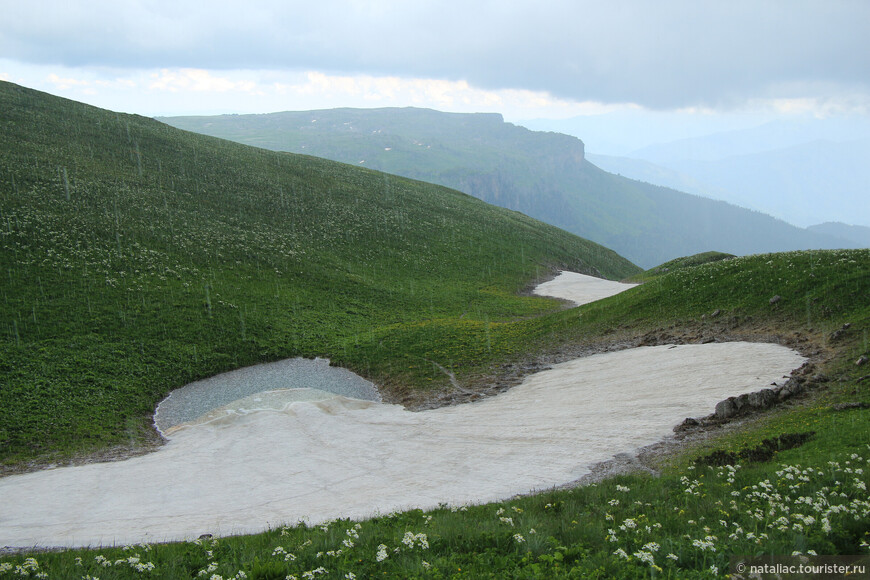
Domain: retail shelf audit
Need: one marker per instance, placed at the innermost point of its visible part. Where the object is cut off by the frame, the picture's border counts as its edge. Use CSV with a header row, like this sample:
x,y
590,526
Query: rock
x,y
861,360
762,399
726,409
749,402
715,313
793,387
775,299
687,424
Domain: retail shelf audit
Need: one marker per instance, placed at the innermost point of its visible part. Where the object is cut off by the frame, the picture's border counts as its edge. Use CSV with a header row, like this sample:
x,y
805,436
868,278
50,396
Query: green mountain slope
x,y
137,257
804,462
544,175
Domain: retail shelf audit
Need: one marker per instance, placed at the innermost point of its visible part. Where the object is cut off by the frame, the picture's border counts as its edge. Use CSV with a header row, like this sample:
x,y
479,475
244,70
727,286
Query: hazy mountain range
x,y
805,171
542,174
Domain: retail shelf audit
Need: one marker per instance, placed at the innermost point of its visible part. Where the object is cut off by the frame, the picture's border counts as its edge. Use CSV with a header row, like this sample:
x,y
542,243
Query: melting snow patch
x,y
333,456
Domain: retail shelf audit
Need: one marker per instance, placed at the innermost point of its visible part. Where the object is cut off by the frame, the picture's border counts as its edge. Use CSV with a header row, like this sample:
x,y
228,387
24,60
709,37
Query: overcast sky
x,y
526,59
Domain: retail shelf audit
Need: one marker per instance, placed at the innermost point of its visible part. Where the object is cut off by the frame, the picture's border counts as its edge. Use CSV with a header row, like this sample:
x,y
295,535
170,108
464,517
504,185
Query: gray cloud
x,y
664,54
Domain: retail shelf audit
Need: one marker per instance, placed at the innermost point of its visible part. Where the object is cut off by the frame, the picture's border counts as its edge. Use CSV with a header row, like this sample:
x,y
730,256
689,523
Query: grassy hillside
x,y
687,522
544,175
138,257
679,264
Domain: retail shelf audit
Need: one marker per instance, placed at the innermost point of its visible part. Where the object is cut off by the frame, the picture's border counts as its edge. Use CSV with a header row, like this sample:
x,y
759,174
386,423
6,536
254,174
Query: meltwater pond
x,y
269,386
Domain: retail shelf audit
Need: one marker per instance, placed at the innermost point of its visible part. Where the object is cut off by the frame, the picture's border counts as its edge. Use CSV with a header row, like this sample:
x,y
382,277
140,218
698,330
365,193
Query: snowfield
x,y
281,455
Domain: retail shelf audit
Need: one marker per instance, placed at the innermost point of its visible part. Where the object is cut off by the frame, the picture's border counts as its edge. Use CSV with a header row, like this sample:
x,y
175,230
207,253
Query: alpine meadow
x,y
138,257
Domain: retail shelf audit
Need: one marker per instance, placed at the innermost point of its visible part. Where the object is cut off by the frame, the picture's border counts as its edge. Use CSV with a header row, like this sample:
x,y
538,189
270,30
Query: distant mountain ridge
x,y
859,235
802,171
544,175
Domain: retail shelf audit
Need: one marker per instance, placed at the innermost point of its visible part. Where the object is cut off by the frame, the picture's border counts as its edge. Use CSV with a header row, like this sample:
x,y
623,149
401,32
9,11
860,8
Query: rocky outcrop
x,y
750,403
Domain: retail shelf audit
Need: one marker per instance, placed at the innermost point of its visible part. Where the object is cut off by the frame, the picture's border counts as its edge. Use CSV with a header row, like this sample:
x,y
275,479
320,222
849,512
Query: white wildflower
x,y
411,539
705,545
646,557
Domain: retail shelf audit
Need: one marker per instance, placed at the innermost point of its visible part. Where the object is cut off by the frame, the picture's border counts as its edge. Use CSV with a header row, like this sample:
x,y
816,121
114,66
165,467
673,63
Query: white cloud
x,y
197,80
456,96
177,91
667,54
65,83
387,91
187,91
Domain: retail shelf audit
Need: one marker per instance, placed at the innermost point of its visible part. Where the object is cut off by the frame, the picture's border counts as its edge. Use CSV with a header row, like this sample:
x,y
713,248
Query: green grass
x,y
138,257
541,174
87,352
679,263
